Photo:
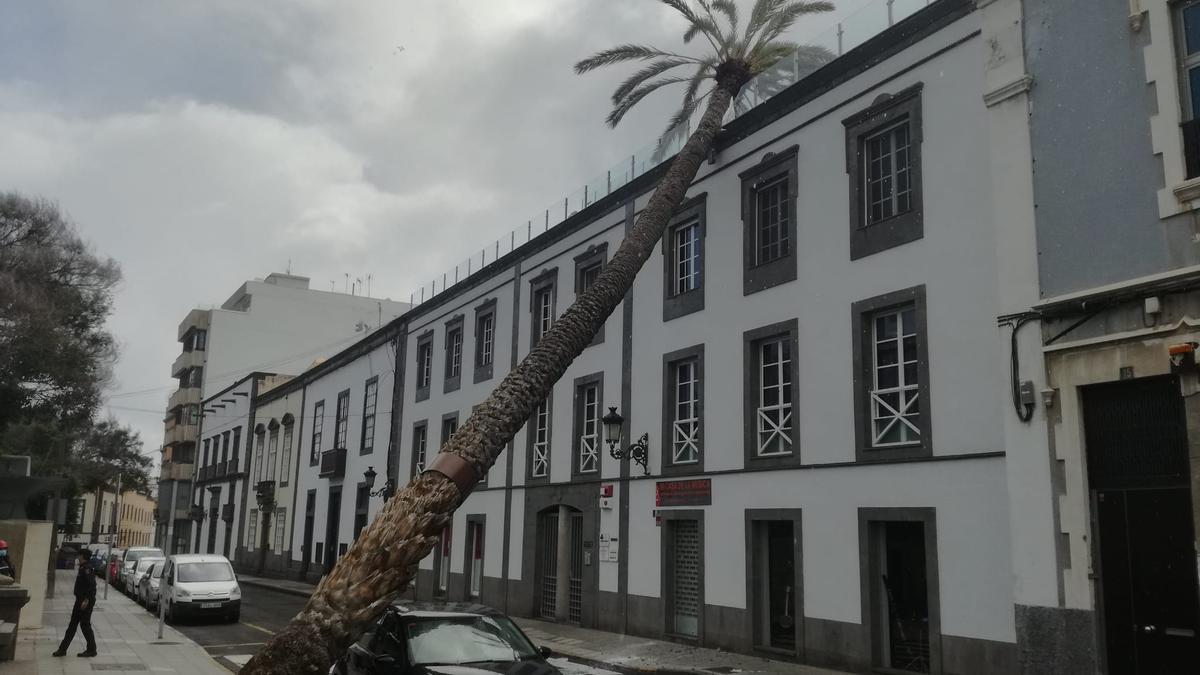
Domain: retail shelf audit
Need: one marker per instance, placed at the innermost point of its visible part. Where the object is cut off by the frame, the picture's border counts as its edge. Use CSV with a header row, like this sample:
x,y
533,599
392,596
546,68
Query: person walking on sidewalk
x,y
81,613
6,566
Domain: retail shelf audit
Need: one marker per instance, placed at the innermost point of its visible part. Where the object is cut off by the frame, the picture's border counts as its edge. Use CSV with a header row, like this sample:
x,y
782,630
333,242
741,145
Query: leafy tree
x,y
383,559
55,295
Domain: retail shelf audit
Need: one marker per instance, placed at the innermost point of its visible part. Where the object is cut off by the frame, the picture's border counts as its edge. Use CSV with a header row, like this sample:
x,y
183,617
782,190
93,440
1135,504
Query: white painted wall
x,y
232,416
285,483
380,361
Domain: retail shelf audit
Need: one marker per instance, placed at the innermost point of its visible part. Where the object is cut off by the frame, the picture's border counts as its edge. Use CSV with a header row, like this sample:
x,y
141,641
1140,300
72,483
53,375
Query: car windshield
x,y
205,571
145,563
156,573
470,639
134,556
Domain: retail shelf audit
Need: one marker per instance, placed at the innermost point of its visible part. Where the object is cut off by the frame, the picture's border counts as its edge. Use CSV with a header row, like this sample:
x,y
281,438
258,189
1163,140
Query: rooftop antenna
x,y
368,285
289,267
346,286
331,288
358,282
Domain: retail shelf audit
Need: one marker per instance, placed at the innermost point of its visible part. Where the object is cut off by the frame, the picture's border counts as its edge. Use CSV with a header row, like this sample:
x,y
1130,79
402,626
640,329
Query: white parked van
x,y
200,585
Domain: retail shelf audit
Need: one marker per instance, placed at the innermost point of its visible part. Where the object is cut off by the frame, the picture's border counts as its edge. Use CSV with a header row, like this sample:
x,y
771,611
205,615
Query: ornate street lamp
x,y
638,452
386,491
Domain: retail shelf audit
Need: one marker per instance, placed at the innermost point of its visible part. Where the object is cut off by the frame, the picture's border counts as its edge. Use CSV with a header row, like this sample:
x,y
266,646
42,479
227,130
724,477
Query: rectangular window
x,y
772,433
685,242
272,453
442,563
286,466
771,221
342,421
892,380
888,190
485,339
883,151
588,266
543,302
454,353
260,444
370,396
252,530
475,558
420,443
318,427
539,460
280,528
683,411
588,399
542,291
769,195
1187,39
774,397
201,340
224,448
204,455
362,502
237,446
424,365
449,428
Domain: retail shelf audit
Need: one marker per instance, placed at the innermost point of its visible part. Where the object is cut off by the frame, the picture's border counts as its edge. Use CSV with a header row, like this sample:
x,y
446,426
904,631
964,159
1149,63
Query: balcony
x,y
184,396
227,513
186,360
179,434
175,471
333,463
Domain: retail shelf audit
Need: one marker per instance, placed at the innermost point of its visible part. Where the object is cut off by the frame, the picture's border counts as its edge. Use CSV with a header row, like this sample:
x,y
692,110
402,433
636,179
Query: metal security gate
x,y
1138,471
685,569
575,607
548,564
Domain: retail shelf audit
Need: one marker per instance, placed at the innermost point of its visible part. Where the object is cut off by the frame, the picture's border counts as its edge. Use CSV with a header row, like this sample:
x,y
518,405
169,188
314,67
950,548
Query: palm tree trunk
x,y
382,562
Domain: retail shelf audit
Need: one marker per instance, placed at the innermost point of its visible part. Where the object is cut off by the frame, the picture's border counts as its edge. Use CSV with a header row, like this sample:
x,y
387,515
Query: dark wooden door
x,y
1139,473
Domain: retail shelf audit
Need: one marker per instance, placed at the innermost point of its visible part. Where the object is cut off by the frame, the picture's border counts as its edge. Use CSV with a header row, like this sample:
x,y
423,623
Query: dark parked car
x,y
444,639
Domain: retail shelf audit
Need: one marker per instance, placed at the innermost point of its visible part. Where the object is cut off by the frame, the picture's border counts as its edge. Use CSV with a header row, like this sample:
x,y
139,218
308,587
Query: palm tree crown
x,y
736,57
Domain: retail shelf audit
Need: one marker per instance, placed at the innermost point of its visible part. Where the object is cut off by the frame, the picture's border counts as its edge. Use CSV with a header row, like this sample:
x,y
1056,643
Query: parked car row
x,y
189,586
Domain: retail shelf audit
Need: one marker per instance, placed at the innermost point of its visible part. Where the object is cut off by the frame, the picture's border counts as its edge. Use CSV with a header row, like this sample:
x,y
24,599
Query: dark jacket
x,y
85,585
7,568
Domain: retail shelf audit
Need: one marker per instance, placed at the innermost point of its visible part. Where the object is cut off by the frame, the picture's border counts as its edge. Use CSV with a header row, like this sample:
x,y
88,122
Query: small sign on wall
x,y
683,492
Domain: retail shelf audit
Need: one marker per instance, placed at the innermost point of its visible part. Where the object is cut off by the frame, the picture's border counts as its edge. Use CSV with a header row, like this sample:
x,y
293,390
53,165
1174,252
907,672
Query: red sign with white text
x,y
683,493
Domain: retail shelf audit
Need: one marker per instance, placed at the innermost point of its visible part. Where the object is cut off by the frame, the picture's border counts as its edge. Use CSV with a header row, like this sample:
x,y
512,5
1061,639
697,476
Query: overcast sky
x,y
202,144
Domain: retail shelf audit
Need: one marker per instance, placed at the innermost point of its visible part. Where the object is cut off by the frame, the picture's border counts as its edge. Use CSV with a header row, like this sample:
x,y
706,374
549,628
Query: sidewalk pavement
x,y
126,638
288,586
603,648
630,652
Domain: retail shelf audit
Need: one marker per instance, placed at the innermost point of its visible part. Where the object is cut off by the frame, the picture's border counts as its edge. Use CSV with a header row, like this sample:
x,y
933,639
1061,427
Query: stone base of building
x,y
1053,640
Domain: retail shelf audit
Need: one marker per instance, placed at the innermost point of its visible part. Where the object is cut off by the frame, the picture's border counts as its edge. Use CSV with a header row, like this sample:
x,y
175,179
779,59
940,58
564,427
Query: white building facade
x,y
277,324
814,361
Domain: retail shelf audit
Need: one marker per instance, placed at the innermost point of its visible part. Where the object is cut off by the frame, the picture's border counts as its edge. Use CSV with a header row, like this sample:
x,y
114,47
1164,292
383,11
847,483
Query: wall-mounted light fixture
x,y
638,452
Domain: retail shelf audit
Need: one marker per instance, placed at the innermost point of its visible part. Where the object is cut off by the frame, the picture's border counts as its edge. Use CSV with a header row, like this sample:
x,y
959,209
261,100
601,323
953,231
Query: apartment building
x,y
123,523
276,324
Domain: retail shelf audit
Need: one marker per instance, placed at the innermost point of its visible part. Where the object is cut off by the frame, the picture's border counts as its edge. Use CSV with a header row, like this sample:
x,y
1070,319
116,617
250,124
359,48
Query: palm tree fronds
x,y
785,17
729,9
760,14
653,70
677,127
635,96
627,52
705,26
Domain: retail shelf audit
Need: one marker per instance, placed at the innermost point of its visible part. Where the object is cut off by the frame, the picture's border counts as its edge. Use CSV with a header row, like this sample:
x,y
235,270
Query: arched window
x,y
285,466
260,442
272,450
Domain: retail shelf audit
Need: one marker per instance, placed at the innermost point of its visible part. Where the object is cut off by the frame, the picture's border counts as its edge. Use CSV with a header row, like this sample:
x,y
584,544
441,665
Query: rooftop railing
x,y
847,33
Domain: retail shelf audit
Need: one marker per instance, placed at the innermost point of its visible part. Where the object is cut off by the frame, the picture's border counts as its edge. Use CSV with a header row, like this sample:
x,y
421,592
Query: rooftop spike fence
x,y
849,32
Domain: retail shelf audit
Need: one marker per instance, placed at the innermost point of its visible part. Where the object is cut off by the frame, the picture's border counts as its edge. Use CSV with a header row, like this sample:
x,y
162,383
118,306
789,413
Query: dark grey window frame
x,y
669,467
666,556
483,371
529,477
596,254
316,438
454,325
864,362
424,341
412,462
759,277
751,340
546,280
338,422
363,449
868,572
676,305
479,519
597,379
755,630
442,435
902,228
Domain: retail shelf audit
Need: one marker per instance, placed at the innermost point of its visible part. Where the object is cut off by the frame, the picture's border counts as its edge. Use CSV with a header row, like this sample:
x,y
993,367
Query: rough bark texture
x,y
382,562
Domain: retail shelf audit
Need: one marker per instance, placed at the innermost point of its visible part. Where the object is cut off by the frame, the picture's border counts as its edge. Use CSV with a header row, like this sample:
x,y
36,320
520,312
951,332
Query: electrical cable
x,y
1024,410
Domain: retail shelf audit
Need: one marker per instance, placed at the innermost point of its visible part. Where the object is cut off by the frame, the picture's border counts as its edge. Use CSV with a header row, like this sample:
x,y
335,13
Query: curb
x,y
272,587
